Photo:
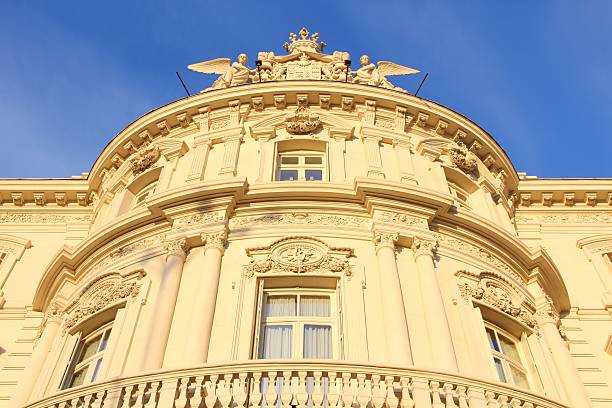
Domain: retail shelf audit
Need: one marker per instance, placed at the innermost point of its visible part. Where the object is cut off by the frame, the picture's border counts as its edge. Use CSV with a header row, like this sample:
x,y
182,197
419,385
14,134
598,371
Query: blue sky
x,y
535,74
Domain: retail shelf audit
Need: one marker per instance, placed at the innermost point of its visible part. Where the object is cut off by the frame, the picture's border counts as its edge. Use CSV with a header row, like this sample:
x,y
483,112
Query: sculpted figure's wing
x,y
215,66
391,68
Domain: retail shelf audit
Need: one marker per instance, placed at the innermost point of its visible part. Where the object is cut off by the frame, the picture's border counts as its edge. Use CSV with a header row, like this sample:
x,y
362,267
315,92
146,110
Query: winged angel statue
x,y
232,74
370,74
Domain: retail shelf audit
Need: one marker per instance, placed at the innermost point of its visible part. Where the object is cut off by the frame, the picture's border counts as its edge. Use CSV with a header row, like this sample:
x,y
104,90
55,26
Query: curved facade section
x,y
297,243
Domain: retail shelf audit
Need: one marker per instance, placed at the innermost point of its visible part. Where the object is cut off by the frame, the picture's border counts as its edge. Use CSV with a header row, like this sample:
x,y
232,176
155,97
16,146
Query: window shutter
x,y
256,342
71,361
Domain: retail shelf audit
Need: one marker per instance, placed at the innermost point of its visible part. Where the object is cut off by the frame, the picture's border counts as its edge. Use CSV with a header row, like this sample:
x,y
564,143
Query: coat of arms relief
x,y
305,61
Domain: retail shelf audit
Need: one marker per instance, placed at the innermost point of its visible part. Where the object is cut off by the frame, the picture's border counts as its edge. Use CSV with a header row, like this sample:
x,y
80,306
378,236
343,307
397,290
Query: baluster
x,y
181,401
88,399
491,403
286,394
270,394
364,390
333,394
515,403
378,395
239,390
348,396
317,390
406,401
301,393
98,400
436,402
210,391
461,393
449,396
196,398
133,395
527,405
391,400
502,400
152,392
224,392
255,394
66,404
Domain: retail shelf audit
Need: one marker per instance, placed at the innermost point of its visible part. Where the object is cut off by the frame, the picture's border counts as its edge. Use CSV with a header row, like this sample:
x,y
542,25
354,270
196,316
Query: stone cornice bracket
x,y
217,239
177,247
423,246
202,119
546,311
384,239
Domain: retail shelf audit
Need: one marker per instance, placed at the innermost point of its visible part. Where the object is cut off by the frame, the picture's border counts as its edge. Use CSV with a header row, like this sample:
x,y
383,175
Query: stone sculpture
x,y
237,73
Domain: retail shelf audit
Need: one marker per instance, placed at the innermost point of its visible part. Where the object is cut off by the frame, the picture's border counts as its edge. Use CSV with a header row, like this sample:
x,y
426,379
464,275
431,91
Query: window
x,y
86,361
298,323
507,358
301,166
144,193
460,195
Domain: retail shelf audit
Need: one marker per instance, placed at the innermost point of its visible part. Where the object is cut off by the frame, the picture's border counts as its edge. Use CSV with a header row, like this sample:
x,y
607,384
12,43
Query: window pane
x,y
519,377
104,342
289,160
277,342
91,348
500,370
96,370
78,377
315,306
313,175
288,175
313,160
280,305
317,341
508,347
492,340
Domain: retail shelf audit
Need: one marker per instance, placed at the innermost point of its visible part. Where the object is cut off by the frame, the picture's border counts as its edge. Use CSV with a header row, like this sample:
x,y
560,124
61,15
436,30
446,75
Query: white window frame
x,y
92,364
298,322
506,360
302,166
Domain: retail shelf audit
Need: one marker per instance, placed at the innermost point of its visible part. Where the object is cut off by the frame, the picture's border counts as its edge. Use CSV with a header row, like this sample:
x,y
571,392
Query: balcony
x,y
304,384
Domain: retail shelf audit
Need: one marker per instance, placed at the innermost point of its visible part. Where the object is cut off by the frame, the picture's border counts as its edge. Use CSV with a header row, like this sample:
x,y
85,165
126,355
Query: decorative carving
x,y
39,199
145,157
526,199
325,101
234,74
163,127
26,218
546,312
422,246
385,239
302,121
325,264
569,199
441,127
475,146
126,250
82,199
219,124
280,102
215,239
183,119
400,218
462,158
347,103
370,74
547,199
580,218
499,296
17,198
258,103
100,295
298,218
591,199
488,160
177,247
201,218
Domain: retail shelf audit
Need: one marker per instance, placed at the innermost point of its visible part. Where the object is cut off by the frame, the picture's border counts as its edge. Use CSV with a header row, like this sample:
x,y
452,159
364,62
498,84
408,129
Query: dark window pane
x,y
78,377
289,160
314,175
288,175
500,370
313,160
492,340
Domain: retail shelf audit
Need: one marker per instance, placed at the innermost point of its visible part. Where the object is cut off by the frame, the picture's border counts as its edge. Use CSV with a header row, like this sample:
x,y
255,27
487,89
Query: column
x,y
201,148
337,149
547,322
435,314
231,146
203,312
403,156
164,303
31,373
372,153
396,328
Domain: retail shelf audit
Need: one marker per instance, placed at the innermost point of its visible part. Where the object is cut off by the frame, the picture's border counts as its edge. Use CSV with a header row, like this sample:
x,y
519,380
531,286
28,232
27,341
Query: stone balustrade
x,y
304,384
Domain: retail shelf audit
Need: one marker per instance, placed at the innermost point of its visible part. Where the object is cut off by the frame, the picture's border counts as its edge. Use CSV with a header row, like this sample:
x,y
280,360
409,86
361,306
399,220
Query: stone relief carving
x,y
145,157
19,218
385,238
402,219
421,246
478,253
461,157
499,295
299,255
215,239
177,247
7,249
126,250
580,218
547,312
302,121
207,217
305,60
298,218
100,295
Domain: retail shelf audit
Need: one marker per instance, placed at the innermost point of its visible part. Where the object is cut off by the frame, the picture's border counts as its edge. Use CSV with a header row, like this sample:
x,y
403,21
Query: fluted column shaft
x,y
396,328
563,361
435,314
35,365
203,311
163,308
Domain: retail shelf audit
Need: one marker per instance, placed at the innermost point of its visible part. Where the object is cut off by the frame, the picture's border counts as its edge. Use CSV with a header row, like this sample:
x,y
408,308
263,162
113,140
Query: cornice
x,y
565,194
36,193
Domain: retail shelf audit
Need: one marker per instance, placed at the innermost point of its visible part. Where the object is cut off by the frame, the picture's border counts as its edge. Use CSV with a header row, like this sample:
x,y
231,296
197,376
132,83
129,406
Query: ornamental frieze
x,y
298,218
580,218
325,264
402,219
125,250
23,218
202,218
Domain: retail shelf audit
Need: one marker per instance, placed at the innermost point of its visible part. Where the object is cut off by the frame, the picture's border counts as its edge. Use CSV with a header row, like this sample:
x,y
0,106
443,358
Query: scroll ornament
x,y
302,122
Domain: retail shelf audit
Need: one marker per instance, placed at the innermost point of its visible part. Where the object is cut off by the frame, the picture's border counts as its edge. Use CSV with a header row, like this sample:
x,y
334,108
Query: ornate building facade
x,y
302,234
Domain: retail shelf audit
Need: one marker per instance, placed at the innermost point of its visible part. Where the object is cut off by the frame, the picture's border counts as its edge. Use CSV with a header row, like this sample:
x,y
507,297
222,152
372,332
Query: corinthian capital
x,y
215,240
385,239
177,247
546,312
421,246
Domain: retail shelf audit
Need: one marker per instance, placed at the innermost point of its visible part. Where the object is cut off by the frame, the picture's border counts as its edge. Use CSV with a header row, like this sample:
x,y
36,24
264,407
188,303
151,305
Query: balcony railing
x,y
304,384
